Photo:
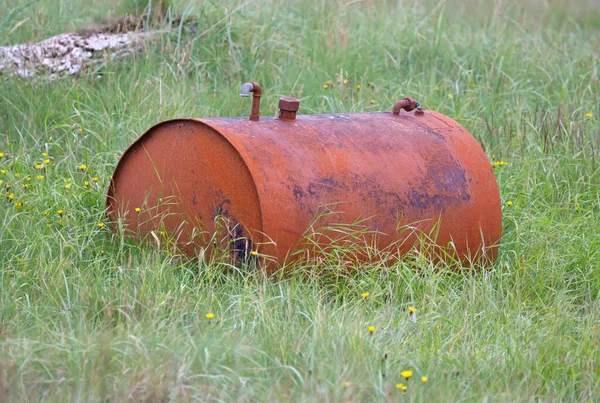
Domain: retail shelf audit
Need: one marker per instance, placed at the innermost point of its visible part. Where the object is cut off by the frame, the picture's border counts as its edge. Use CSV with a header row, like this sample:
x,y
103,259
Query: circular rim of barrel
x,y
184,143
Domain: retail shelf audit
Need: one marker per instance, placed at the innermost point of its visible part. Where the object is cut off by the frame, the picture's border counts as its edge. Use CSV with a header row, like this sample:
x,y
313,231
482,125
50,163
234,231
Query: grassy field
x,y
88,316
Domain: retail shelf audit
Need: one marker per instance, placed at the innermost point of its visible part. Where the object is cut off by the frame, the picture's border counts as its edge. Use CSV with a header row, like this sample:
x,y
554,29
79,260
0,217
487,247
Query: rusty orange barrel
x,y
396,173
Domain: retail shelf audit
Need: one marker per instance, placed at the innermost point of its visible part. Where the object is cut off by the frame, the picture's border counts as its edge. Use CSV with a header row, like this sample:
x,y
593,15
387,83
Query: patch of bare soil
x,y
71,52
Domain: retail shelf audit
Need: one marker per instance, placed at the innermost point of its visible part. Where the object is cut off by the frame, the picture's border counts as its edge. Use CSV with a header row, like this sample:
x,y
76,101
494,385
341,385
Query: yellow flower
x,y
100,225
371,329
358,87
450,96
80,130
587,115
254,253
346,384
82,167
1,181
68,186
46,161
406,374
67,180
11,197
7,186
60,212
437,88
509,203
40,177
493,157
18,204
137,210
325,86
17,175
365,295
28,179
424,379
26,185
86,183
401,387
44,155
94,179
412,309
345,81
37,166
372,101
3,171
210,315
45,213
1,154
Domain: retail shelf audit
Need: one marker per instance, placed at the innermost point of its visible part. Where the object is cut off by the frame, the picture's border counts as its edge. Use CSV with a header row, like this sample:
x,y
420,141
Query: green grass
x,y
86,315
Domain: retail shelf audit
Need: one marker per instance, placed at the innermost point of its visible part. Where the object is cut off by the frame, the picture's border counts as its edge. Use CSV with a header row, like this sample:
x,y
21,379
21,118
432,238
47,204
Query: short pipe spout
x,y
256,91
408,104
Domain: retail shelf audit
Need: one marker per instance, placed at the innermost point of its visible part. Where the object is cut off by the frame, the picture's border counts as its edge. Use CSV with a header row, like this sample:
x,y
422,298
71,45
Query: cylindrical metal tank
x,y
396,173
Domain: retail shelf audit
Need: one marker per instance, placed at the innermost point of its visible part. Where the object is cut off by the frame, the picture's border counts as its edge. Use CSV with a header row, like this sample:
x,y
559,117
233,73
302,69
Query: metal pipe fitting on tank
x,y
256,91
408,104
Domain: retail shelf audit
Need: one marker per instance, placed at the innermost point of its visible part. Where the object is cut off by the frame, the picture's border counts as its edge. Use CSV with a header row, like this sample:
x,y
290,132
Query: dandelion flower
x,y
325,86
365,295
345,81
210,315
7,186
3,171
346,384
38,166
40,177
80,130
82,167
424,379
26,186
11,197
372,101
68,186
509,203
399,386
450,96
1,154
60,212
18,204
100,224
137,210
45,213
46,161
45,155
254,253
412,309
86,184
17,175
358,87
95,179
406,374
437,88
587,115
371,329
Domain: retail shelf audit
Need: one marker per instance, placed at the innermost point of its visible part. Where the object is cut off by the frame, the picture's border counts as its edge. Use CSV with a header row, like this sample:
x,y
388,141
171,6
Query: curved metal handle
x,y
256,91
408,104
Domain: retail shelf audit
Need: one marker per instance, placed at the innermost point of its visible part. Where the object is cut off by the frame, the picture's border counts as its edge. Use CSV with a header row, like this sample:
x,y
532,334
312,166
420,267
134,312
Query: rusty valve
x,y
256,91
408,104
288,108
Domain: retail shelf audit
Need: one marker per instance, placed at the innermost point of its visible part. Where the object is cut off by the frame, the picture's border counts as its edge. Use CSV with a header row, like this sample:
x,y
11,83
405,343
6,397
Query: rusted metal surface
x,y
400,174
